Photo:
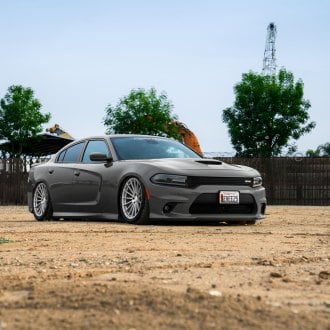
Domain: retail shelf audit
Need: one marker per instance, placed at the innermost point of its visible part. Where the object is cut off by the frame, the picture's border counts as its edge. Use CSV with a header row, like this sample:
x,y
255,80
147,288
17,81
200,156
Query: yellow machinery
x,y
189,138
56,129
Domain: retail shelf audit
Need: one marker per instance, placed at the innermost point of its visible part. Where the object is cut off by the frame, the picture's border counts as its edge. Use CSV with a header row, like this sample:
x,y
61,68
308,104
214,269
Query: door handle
x,y
76,173
50,171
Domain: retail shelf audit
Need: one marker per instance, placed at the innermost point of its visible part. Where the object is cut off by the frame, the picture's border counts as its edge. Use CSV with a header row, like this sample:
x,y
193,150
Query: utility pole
x,y
269,63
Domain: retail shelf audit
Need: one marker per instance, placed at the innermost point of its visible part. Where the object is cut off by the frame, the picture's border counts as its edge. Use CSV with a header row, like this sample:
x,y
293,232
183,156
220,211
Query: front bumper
x,y
201,203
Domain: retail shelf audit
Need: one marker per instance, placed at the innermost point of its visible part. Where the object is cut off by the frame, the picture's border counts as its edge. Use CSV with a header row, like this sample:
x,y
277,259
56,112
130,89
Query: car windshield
x,y
150,148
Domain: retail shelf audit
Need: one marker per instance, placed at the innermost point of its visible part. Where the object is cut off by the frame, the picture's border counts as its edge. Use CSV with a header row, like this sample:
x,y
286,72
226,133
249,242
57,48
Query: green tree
x,y
142,112
313,153
269,111
325,148
321,150
20,117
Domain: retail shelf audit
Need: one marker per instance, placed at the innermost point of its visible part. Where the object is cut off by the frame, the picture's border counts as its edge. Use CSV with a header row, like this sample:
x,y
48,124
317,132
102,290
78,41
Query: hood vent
x,y
209,162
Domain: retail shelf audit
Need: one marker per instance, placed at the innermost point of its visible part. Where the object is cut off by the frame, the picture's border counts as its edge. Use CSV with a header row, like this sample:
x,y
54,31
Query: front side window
x,y
95,146
71,154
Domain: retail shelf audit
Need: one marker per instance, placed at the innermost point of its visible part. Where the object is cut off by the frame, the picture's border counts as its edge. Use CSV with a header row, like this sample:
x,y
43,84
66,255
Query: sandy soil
x,y
106,275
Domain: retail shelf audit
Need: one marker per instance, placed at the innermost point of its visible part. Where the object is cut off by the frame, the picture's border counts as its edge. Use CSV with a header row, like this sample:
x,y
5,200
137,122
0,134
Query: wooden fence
x,y
292,180
13,182
13,179
288,180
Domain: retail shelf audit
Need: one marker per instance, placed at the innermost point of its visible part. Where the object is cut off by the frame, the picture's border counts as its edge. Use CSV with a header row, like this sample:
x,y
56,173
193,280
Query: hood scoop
x,y
209,162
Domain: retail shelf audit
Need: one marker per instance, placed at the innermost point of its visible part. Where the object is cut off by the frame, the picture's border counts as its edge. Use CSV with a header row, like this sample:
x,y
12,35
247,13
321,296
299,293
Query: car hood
x,y
200,167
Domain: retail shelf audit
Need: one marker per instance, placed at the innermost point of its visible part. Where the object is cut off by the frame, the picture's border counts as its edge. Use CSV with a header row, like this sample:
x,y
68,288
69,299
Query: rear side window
x,y
72,154
95,146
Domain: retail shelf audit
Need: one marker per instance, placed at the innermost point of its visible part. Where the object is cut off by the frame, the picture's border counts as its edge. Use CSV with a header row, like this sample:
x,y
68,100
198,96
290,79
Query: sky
x,y
81,55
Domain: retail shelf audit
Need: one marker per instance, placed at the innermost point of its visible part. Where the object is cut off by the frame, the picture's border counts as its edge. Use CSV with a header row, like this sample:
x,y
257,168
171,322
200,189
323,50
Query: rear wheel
x,y
42,206
134,206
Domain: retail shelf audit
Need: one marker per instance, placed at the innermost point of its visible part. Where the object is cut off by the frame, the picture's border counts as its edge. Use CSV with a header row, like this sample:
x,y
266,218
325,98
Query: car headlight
x,y
170,179
257,181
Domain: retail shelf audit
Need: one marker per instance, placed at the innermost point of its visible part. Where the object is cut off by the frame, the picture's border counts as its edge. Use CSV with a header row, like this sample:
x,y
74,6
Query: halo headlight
x,y
257,181
170,179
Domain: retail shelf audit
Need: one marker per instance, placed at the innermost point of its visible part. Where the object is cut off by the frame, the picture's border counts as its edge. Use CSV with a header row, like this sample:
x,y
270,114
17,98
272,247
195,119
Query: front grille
x,y
195,181
209,204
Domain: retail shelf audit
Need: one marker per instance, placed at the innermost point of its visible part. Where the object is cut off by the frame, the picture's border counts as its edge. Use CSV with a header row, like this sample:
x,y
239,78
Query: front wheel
x,y
134,206
42,206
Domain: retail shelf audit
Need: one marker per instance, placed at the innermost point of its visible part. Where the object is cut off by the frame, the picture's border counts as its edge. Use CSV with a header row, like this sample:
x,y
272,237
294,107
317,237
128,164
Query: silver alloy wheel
x,y
131,198
40,200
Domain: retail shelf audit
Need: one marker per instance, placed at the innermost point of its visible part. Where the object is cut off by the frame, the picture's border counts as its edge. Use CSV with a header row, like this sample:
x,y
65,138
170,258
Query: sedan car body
x,y
136,178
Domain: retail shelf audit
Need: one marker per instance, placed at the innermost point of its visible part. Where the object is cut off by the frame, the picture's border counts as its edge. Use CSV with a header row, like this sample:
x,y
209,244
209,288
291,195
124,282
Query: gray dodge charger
x,y
138,178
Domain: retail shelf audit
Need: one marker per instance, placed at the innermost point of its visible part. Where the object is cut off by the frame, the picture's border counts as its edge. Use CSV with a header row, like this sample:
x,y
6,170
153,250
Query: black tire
x,y
41,204
133,204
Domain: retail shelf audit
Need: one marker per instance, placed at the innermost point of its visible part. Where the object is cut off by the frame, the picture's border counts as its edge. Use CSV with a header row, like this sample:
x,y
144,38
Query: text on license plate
x,y
229,197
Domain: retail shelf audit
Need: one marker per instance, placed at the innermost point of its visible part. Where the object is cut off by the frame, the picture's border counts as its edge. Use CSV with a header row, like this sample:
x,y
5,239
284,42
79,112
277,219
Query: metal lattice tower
x,y
269,64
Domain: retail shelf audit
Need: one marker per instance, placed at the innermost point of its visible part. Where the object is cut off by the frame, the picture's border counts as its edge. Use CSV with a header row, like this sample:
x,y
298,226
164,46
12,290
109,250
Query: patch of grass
x,y
4,240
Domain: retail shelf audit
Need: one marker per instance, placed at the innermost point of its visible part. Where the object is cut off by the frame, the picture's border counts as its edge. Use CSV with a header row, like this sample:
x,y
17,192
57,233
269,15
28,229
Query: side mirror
x,y
99,157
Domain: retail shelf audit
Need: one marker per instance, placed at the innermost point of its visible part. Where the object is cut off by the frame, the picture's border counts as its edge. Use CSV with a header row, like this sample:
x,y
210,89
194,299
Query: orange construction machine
x,y
189,138
56,129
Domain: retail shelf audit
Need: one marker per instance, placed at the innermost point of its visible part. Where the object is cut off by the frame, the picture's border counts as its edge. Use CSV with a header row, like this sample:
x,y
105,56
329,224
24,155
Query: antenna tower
x,y
269,64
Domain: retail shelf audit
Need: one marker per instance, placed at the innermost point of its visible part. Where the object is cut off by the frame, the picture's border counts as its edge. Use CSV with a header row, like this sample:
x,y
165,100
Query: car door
x,y
60,177
87,177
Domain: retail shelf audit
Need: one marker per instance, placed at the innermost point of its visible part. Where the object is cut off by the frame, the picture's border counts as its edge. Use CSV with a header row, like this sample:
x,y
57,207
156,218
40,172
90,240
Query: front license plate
x,y
229,197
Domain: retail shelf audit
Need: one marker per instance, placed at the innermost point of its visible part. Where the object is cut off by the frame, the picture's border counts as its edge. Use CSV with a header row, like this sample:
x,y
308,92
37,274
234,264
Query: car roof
x,y
119,135
113,136
136,135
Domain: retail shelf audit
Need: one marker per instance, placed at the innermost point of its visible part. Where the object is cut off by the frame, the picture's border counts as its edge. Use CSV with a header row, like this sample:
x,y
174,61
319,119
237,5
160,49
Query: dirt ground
x,y
107,275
